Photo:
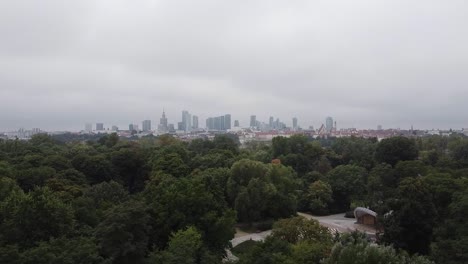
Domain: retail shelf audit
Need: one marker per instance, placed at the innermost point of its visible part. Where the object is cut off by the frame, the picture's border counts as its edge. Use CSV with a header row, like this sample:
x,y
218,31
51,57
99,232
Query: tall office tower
x,y
99,126
236,123
186,120
146,125
271,122
294,123
379,127
88,127
219,123
131,127
163,123
227,121
209,123
277,124
195,122
329,124
115,128
253,121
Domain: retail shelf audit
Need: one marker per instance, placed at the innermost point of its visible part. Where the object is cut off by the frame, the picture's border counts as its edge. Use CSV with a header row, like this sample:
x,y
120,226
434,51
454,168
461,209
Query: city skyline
x,y
366,63
154,123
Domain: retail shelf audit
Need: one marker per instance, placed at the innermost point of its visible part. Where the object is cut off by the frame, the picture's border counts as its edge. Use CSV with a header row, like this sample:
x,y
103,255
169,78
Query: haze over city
x,y
365,62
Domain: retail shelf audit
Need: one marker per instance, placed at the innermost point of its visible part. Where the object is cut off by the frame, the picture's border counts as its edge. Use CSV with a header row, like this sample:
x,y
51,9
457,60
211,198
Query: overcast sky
x,y
363,62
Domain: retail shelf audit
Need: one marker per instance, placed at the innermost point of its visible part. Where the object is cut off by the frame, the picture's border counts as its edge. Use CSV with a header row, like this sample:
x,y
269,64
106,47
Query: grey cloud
x,y
365,62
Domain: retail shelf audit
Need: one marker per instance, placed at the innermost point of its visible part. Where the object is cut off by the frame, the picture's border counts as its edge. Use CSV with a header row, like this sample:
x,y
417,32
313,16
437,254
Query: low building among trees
x,y
365,216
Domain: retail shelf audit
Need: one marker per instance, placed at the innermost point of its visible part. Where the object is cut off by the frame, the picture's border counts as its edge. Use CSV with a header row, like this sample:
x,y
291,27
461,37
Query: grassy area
x,y
244,247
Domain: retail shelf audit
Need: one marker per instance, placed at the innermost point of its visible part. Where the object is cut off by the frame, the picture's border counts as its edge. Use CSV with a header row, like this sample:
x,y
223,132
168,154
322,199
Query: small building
x,y
365,216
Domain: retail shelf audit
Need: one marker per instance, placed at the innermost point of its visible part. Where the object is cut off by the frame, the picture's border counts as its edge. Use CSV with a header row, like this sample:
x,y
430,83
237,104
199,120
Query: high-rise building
x,y
219,122
115,128
88,127
187,121
253,121
379,127
227,121
131,127
329,124
236,123
271,122
163,127
294,123
209,123
99,126
195,122
146,125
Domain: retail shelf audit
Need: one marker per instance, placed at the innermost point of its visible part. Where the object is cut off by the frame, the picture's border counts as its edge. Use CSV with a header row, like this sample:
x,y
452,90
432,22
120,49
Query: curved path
x,y
335,223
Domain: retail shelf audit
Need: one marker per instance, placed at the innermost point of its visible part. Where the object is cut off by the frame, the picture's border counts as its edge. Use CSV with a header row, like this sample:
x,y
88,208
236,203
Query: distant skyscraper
x,y
210,123
236,123
294,123
219,122
99,126
379,127
195,122
329,124
227,122
253,121
131,127
115,128
163,123
187,121
146,125
271,122
88,127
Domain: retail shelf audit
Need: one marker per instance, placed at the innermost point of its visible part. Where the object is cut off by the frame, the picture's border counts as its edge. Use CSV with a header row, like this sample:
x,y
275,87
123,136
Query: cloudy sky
x,y
363,62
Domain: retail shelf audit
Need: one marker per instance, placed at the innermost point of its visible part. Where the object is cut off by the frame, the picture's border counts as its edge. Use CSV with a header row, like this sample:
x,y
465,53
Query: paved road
x,y
336,223
339,223
254,236
239,239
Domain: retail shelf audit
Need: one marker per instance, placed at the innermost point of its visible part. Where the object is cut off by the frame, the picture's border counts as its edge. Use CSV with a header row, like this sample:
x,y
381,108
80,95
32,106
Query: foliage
x,y
348,183
123,235
409,224
394,149
260,191
362,252
319,197
103,199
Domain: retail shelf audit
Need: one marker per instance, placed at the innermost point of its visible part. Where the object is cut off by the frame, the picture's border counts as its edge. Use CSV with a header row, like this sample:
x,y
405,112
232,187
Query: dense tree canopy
x,y
392,150
105,199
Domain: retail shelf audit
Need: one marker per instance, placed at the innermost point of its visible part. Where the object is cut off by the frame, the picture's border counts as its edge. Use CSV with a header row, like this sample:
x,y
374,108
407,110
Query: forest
x,y
65,199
